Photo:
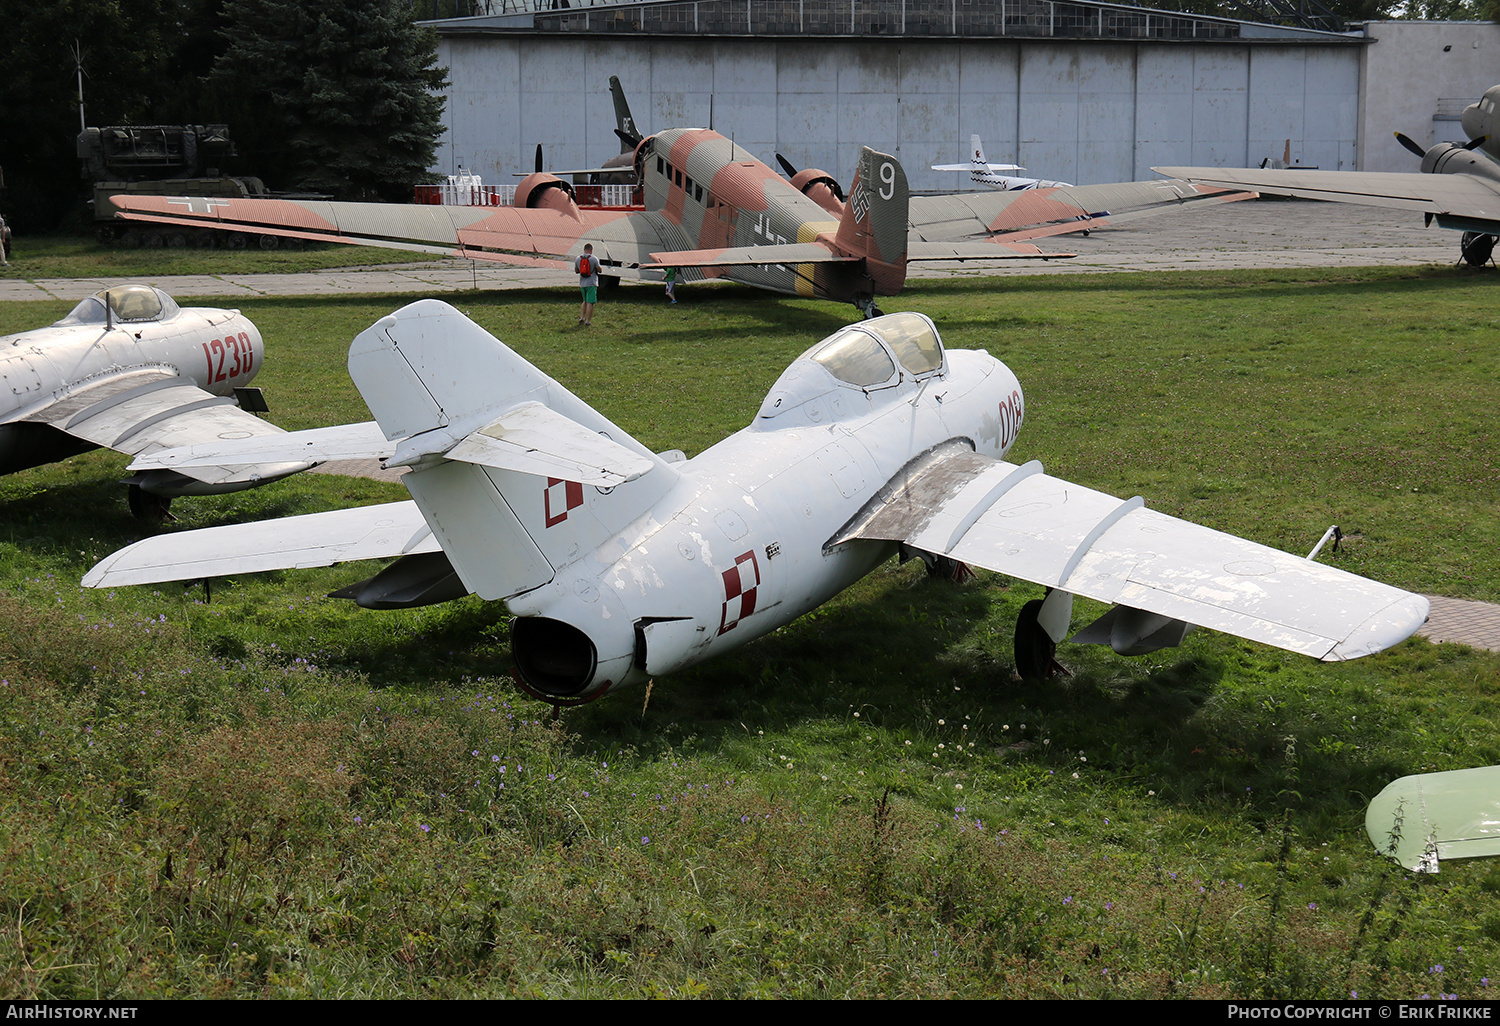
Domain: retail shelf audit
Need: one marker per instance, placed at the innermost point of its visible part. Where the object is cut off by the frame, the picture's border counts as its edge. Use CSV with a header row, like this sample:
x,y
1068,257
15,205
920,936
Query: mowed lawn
x,y
271,793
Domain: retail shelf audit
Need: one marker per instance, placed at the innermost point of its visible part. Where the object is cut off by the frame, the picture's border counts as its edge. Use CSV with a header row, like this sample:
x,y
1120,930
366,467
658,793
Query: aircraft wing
x,y
1036,213
1024,523
534,237
318,539
1441,194
141,412
343,442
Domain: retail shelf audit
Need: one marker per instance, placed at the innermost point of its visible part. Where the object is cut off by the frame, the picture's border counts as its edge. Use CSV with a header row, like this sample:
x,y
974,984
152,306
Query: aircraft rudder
x,y
436,382
876,219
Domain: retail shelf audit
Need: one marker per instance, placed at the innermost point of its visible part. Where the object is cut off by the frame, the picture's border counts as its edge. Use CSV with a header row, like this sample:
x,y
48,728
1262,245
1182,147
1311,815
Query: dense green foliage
x,y
341,98
335,96
275,794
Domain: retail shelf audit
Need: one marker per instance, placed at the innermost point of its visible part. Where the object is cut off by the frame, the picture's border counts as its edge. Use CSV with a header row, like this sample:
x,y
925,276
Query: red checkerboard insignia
x,y
561,496
740,582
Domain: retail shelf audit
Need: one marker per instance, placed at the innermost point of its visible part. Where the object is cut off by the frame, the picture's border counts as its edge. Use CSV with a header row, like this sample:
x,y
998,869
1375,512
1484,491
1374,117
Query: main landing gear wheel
x,y
949,569
1035,651
1476,248
866,305
146,506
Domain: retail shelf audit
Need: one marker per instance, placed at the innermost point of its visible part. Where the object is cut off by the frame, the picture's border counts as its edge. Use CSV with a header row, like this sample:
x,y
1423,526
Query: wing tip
x,y
1390,626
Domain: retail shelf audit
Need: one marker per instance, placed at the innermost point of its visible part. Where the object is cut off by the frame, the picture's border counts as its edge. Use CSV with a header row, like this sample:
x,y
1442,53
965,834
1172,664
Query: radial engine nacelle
x,y
545,190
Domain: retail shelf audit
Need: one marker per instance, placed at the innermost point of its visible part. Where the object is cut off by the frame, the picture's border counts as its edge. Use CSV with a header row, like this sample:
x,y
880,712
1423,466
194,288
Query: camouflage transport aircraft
x,y
1459,187
714,211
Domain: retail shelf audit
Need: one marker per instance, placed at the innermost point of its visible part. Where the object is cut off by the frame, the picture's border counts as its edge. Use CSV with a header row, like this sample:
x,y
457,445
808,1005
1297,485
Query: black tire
x,y
148,507
1477,248
1034,649
152,240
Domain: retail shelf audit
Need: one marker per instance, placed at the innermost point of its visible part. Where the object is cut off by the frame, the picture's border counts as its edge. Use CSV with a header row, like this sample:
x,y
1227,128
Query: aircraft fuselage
x,y
749,545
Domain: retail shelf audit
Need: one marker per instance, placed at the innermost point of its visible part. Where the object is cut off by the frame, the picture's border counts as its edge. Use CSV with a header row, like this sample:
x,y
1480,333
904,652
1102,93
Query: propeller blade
x,y
1411,144
628,137
538,156
1476,143
787,166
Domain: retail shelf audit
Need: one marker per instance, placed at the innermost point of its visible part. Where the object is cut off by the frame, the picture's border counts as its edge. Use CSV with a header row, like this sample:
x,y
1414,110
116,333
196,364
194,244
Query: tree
x,y
339,97
123,43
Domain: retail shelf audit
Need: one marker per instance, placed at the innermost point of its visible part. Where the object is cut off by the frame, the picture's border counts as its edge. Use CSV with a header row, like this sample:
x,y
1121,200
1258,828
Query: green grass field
x,y
78,256
276,794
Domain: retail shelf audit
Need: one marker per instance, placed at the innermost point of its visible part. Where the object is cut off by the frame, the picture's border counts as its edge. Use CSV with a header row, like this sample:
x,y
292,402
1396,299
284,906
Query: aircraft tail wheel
x,y
146,506
1035,651
1477,248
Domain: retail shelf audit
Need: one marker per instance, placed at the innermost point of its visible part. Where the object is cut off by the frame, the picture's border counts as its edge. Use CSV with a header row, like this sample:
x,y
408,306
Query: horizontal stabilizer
x,y
1022,522
975,165
532,439
979,251
317,445
1421,819
747,256
318,539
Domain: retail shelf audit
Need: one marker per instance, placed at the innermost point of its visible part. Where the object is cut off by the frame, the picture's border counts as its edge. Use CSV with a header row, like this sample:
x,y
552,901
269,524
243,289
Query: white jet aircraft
x,y
621,564
982,172
129,369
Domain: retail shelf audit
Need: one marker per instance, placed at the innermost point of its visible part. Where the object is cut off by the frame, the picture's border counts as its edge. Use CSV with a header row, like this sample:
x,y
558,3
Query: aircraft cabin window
x,y
128,303
914,341
660,165
677,177
856,358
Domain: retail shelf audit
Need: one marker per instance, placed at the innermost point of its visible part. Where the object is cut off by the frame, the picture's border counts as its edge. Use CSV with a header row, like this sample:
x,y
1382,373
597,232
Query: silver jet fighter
x,y
129,369
621,564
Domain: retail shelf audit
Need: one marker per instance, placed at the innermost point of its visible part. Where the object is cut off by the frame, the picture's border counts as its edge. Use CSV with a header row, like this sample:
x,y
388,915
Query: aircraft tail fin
x,y
630,136
515,475
977,148
876,220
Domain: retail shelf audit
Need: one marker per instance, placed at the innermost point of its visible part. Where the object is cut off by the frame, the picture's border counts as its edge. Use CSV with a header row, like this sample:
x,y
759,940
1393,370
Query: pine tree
x,y
338,97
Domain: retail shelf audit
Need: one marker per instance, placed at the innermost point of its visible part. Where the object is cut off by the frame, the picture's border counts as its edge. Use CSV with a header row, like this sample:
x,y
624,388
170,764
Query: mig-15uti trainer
x,y
129,369
1459,186
621,564
714,211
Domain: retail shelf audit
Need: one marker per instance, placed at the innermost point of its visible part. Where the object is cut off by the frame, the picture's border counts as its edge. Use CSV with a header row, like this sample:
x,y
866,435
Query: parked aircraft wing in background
x,y
1458,187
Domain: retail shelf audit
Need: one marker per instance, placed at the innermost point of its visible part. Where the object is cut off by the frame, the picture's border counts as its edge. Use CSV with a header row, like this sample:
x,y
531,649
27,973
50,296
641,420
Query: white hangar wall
x,y
1418,76
1082,112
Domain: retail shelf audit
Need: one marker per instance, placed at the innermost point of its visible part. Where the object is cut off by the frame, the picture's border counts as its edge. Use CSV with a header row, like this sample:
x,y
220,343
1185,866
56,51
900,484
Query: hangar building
x,y
1073,90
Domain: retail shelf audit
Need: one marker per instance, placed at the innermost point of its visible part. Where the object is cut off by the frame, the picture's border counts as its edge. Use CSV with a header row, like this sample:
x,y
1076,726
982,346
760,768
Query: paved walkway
x,y
1476,624
1252,234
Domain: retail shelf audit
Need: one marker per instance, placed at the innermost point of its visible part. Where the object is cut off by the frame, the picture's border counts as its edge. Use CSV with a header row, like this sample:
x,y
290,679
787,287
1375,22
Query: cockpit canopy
x,y
126,304
874,354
